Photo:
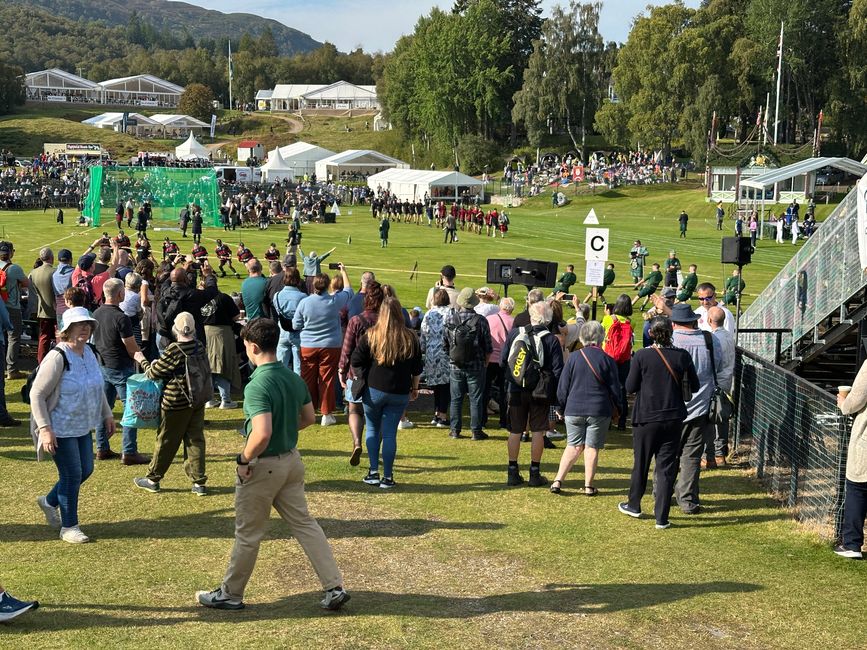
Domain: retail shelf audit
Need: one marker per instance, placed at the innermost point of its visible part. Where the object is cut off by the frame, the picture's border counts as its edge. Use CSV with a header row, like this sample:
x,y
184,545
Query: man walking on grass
x,y
270,473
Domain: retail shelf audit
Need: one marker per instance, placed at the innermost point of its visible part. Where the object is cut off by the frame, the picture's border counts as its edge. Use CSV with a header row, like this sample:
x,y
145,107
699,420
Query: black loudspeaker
x,y
501,271
535,273
329,217
737,250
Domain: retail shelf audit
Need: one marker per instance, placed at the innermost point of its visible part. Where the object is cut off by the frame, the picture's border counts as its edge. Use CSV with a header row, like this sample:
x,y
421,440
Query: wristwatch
x,y
239,461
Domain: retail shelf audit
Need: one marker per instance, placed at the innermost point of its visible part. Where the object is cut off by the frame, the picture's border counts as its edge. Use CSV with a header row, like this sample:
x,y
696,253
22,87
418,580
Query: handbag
x,y
683,382
721,406
615,408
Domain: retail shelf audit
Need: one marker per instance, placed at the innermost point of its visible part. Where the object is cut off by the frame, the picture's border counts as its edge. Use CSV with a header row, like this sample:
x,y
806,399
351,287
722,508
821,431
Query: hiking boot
x,y
135,459
514,477
536,479
218,600
334,599
146,484
106,454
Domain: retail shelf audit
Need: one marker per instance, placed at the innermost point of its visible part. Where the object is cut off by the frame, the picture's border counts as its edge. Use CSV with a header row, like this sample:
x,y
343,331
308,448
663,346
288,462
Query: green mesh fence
x,y
168,189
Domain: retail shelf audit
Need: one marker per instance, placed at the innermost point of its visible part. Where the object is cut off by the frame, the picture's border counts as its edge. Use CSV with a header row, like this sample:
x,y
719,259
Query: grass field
x,y
451,558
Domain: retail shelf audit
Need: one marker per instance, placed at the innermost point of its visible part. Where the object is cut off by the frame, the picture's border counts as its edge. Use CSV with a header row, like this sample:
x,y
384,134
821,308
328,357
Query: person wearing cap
x,y
447,282
179,421
697,431
672,268
15,281
62,279
42,289
687,287
116,345
67,402
467,377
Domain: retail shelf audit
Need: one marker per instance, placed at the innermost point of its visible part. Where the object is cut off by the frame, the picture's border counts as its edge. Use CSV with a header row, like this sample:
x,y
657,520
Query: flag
x,y
759,116
213,124
231,70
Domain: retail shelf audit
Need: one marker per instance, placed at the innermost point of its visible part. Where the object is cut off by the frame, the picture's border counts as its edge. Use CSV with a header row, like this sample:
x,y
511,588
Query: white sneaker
x,y
229,405
405,424
52,515
328,420
73,535
214,403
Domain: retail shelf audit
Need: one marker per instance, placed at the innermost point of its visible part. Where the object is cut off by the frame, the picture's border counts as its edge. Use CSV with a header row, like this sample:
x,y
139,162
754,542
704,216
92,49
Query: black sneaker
x,y
625,508
372,478
480,435
514,477
334,599
199,490
536,479
456,435
525,437
146,484
842,551
547,443
387,483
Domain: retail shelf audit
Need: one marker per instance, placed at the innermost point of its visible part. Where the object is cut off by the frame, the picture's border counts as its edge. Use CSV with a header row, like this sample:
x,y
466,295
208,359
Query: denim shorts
x,y
587,430
347,394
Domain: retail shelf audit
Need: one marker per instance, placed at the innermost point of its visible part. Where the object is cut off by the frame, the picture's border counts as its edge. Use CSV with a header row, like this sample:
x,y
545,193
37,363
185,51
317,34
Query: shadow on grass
x,y
220,524
559,599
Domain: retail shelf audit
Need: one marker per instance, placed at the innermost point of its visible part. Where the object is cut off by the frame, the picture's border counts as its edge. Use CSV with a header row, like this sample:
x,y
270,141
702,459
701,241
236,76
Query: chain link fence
x,y
794,437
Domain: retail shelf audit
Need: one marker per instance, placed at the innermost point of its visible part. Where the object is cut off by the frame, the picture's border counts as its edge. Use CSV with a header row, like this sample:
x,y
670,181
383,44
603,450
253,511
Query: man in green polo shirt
x,y
734,284
270,473
648,286
607,280
566,280
687,287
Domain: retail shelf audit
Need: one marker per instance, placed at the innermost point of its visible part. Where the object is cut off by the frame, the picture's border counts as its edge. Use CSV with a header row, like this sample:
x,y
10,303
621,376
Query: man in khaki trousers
x,y
270,473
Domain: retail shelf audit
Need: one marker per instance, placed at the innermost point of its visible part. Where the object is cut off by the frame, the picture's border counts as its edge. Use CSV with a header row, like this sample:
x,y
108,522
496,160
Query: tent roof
x,y
170,118
114,118
69,80
249,144
191,148
293,91
167,86
264,94
276,162
299,148
426,177
341,90
362,157
802,167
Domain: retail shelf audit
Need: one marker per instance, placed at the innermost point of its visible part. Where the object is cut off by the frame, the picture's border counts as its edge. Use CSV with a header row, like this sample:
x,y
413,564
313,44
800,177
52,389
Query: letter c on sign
x,y
597,243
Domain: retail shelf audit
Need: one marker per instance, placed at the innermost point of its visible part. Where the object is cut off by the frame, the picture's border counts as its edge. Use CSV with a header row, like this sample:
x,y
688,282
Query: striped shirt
x,y
171,368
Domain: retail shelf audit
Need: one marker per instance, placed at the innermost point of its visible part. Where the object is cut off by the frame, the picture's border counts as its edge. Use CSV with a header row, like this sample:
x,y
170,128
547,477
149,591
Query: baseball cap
x,y
85,261
185,324
64,255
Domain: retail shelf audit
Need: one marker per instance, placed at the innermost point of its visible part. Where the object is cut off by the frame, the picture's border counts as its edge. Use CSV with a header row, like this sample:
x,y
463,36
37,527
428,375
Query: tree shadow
x,y
555,598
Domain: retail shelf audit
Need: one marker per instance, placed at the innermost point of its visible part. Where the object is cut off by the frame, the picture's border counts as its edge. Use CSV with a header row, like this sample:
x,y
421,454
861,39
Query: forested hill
x,y
178,18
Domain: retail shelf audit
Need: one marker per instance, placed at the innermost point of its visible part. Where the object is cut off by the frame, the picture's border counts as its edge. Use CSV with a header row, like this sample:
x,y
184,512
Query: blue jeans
x,y
74,460
382,413
223,386
289,350
4,413
114,383
471,383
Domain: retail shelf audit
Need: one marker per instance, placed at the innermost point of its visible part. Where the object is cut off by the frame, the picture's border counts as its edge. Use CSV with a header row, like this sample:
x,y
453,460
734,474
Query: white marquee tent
x,y
276,169
179,125
362,162
136,123
413,184
303,156
191,149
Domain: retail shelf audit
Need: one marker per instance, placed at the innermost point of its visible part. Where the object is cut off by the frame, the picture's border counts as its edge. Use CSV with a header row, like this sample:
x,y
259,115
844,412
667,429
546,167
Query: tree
x,y
197,100
562,82
12,92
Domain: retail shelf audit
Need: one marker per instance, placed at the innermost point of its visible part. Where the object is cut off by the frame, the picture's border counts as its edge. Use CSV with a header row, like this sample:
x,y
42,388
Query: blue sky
x,y
377,24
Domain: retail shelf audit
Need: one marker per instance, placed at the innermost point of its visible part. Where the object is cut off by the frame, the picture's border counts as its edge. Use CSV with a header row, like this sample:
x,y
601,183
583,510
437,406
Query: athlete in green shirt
x,y
730,297
648,286
690,282
566,280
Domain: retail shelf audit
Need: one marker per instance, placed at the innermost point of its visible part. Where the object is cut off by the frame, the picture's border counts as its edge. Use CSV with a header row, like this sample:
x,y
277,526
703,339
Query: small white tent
x,y
303,156
276,169
191,149
413,184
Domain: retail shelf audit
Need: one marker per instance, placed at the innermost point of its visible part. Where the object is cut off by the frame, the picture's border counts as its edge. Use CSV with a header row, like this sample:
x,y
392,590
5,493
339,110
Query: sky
x,y
377,24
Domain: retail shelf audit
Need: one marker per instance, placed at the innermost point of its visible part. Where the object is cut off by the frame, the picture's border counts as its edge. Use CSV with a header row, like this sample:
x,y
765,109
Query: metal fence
x,y
795,437
823,274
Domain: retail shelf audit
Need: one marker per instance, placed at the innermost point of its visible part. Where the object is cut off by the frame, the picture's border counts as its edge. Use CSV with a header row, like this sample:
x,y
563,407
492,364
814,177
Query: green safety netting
x,y
168,189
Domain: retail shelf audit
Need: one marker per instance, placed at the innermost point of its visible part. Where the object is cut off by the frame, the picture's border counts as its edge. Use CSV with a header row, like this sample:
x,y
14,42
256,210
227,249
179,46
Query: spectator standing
x,y
468,344
436,357
253,290
619,340
523,319
855,503
42,291
285,304
697,430
356,305
180,294
116,347
656,377
500,323
62,279
446,282
6,420
67,403
312,265
683,219
15,280
197,220
219,317
717,453
707,299
270,473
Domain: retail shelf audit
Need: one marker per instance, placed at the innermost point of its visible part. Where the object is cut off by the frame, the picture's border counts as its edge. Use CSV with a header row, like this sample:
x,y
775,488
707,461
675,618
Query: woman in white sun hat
x,y
67,403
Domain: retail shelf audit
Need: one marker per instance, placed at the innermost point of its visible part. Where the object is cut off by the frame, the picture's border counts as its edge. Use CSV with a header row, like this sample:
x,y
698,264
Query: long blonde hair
x,y
390,340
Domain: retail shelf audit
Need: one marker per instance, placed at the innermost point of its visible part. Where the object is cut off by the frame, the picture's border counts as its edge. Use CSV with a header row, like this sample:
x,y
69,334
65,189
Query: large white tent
x,y
177,126
136,123
191,149
276,169
303,156
356,162
413,184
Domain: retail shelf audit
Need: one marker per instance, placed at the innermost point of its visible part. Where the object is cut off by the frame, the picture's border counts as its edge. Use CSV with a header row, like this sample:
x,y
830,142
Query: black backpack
x,y
170,304
463,339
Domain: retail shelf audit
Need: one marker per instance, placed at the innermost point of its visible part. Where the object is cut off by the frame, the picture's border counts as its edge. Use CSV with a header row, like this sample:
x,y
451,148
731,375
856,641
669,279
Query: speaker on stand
x,y
737,251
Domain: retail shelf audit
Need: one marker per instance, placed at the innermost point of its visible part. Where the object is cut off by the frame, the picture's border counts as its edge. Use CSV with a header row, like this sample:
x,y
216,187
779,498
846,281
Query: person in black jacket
x,y
656,377
181,295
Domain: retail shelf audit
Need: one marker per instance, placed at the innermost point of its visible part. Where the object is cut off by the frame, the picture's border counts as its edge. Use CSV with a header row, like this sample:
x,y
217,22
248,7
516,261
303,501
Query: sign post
x,y
595,254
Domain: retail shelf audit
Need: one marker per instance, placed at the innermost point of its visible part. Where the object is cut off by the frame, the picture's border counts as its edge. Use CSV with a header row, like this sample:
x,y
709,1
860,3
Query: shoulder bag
x,y
721,406
615,408
683,382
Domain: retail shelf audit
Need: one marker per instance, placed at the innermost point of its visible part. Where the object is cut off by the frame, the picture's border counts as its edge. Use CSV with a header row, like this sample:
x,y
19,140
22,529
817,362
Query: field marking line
x,y
82,232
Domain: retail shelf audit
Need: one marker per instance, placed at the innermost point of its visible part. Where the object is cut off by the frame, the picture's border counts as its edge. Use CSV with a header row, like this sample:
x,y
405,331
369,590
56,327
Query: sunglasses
x,y
706,298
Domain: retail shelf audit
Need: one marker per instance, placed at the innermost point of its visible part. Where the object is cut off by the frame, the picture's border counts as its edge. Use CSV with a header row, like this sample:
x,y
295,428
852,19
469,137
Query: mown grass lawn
x,y
451,558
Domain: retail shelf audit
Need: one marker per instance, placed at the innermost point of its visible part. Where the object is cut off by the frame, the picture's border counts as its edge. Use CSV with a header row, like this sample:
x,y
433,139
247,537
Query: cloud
x,y
377,24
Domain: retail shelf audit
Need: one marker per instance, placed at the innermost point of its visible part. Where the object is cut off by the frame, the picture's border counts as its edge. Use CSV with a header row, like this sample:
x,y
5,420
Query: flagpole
x,y
230,76
779,77
765,121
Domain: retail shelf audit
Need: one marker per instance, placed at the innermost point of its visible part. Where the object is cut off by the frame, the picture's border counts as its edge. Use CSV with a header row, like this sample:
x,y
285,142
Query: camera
x,y
196,266
334,266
